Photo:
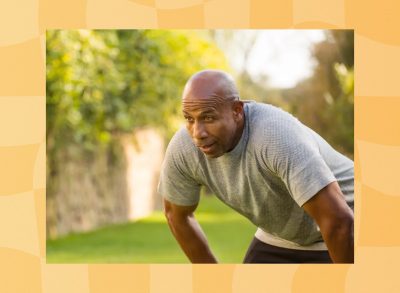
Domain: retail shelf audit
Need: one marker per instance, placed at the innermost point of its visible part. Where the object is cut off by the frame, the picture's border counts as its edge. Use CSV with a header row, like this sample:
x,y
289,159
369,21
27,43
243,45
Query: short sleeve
x,y
294,156
177,183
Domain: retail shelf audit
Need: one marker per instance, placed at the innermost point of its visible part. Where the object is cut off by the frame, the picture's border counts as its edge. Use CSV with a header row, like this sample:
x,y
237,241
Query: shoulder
x,y
178,182
181,149
276,134
267,113
181,142
269,123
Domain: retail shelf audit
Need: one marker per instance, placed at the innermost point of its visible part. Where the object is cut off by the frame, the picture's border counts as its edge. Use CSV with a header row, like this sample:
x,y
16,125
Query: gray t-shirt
x,y
276,167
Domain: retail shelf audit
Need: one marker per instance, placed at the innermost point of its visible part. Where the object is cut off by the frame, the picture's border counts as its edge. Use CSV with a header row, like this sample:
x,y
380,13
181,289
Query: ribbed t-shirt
x,y
277,166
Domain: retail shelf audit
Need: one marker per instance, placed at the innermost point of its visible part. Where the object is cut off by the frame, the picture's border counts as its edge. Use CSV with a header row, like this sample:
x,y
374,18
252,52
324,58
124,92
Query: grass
x,y
150,240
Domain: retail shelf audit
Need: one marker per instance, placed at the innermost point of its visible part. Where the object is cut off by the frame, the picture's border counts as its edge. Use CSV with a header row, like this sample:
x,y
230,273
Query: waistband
x,y
276,241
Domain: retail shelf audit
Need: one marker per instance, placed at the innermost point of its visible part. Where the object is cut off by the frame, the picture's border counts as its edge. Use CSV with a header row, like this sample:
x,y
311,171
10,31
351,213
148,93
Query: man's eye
x,y
188,119
208,118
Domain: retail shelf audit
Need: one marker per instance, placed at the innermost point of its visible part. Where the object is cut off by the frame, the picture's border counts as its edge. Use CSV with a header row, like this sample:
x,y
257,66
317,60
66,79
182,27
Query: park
x,y
113,104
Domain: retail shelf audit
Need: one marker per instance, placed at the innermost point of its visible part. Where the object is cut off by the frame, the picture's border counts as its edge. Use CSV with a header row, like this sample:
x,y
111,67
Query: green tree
x,y
101,83
325,100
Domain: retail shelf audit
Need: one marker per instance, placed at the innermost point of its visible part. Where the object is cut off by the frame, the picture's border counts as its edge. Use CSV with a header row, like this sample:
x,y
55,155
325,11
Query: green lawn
x,y
150,240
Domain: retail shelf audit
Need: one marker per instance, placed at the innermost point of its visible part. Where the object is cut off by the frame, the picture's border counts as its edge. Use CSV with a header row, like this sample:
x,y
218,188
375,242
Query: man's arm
x,y
188,232
335,220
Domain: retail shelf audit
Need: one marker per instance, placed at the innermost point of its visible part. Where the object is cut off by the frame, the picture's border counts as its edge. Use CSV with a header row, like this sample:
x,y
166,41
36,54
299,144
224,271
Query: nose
x,y
199,132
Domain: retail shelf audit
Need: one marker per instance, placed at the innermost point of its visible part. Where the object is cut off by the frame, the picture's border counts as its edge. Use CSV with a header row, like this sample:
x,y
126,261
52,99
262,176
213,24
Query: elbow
x,y
347,222
346,228
339,237
342,227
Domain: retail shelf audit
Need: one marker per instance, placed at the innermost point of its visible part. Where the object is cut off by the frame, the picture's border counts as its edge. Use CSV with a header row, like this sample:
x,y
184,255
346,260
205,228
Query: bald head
x,y
213,112
214,84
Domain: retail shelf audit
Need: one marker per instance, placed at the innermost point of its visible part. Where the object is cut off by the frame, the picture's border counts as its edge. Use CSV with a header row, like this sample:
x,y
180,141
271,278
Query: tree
x,y
325,100
101,83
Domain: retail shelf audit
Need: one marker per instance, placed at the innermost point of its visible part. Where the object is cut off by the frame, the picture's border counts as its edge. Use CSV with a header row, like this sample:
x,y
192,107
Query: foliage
x,y
325,101
105,82
100,85
342,110
259,91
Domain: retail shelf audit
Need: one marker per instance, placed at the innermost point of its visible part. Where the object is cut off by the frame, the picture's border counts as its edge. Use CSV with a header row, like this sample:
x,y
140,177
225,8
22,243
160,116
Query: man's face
x,y
212,124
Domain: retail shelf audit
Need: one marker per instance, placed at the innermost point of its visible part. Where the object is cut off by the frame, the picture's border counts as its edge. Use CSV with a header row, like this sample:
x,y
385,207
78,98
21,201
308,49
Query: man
x,y
265,164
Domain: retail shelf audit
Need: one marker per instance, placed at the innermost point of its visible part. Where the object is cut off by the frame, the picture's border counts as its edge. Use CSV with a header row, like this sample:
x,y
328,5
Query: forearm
x,y
340,242
192,240
335,220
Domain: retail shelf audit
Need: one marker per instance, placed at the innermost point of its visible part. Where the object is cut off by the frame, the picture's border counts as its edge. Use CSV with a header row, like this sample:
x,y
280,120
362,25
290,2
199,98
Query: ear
x,y
237,110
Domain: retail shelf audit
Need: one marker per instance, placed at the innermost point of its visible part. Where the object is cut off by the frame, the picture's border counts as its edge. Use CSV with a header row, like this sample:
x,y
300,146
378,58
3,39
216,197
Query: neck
x,y
239,132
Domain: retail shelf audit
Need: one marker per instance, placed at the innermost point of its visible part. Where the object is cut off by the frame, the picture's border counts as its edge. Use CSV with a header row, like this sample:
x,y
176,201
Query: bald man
x,y
266,165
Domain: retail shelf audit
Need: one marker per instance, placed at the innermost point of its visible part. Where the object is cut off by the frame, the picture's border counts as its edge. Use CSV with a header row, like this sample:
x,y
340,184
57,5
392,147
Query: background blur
x,y
113,103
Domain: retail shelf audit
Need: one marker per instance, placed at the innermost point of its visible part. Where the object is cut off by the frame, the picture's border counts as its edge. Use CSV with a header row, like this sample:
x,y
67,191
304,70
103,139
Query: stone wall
x,y
87,191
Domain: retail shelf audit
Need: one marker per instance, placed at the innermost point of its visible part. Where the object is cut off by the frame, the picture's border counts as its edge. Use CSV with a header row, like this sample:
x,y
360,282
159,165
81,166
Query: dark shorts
x,y
260,252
